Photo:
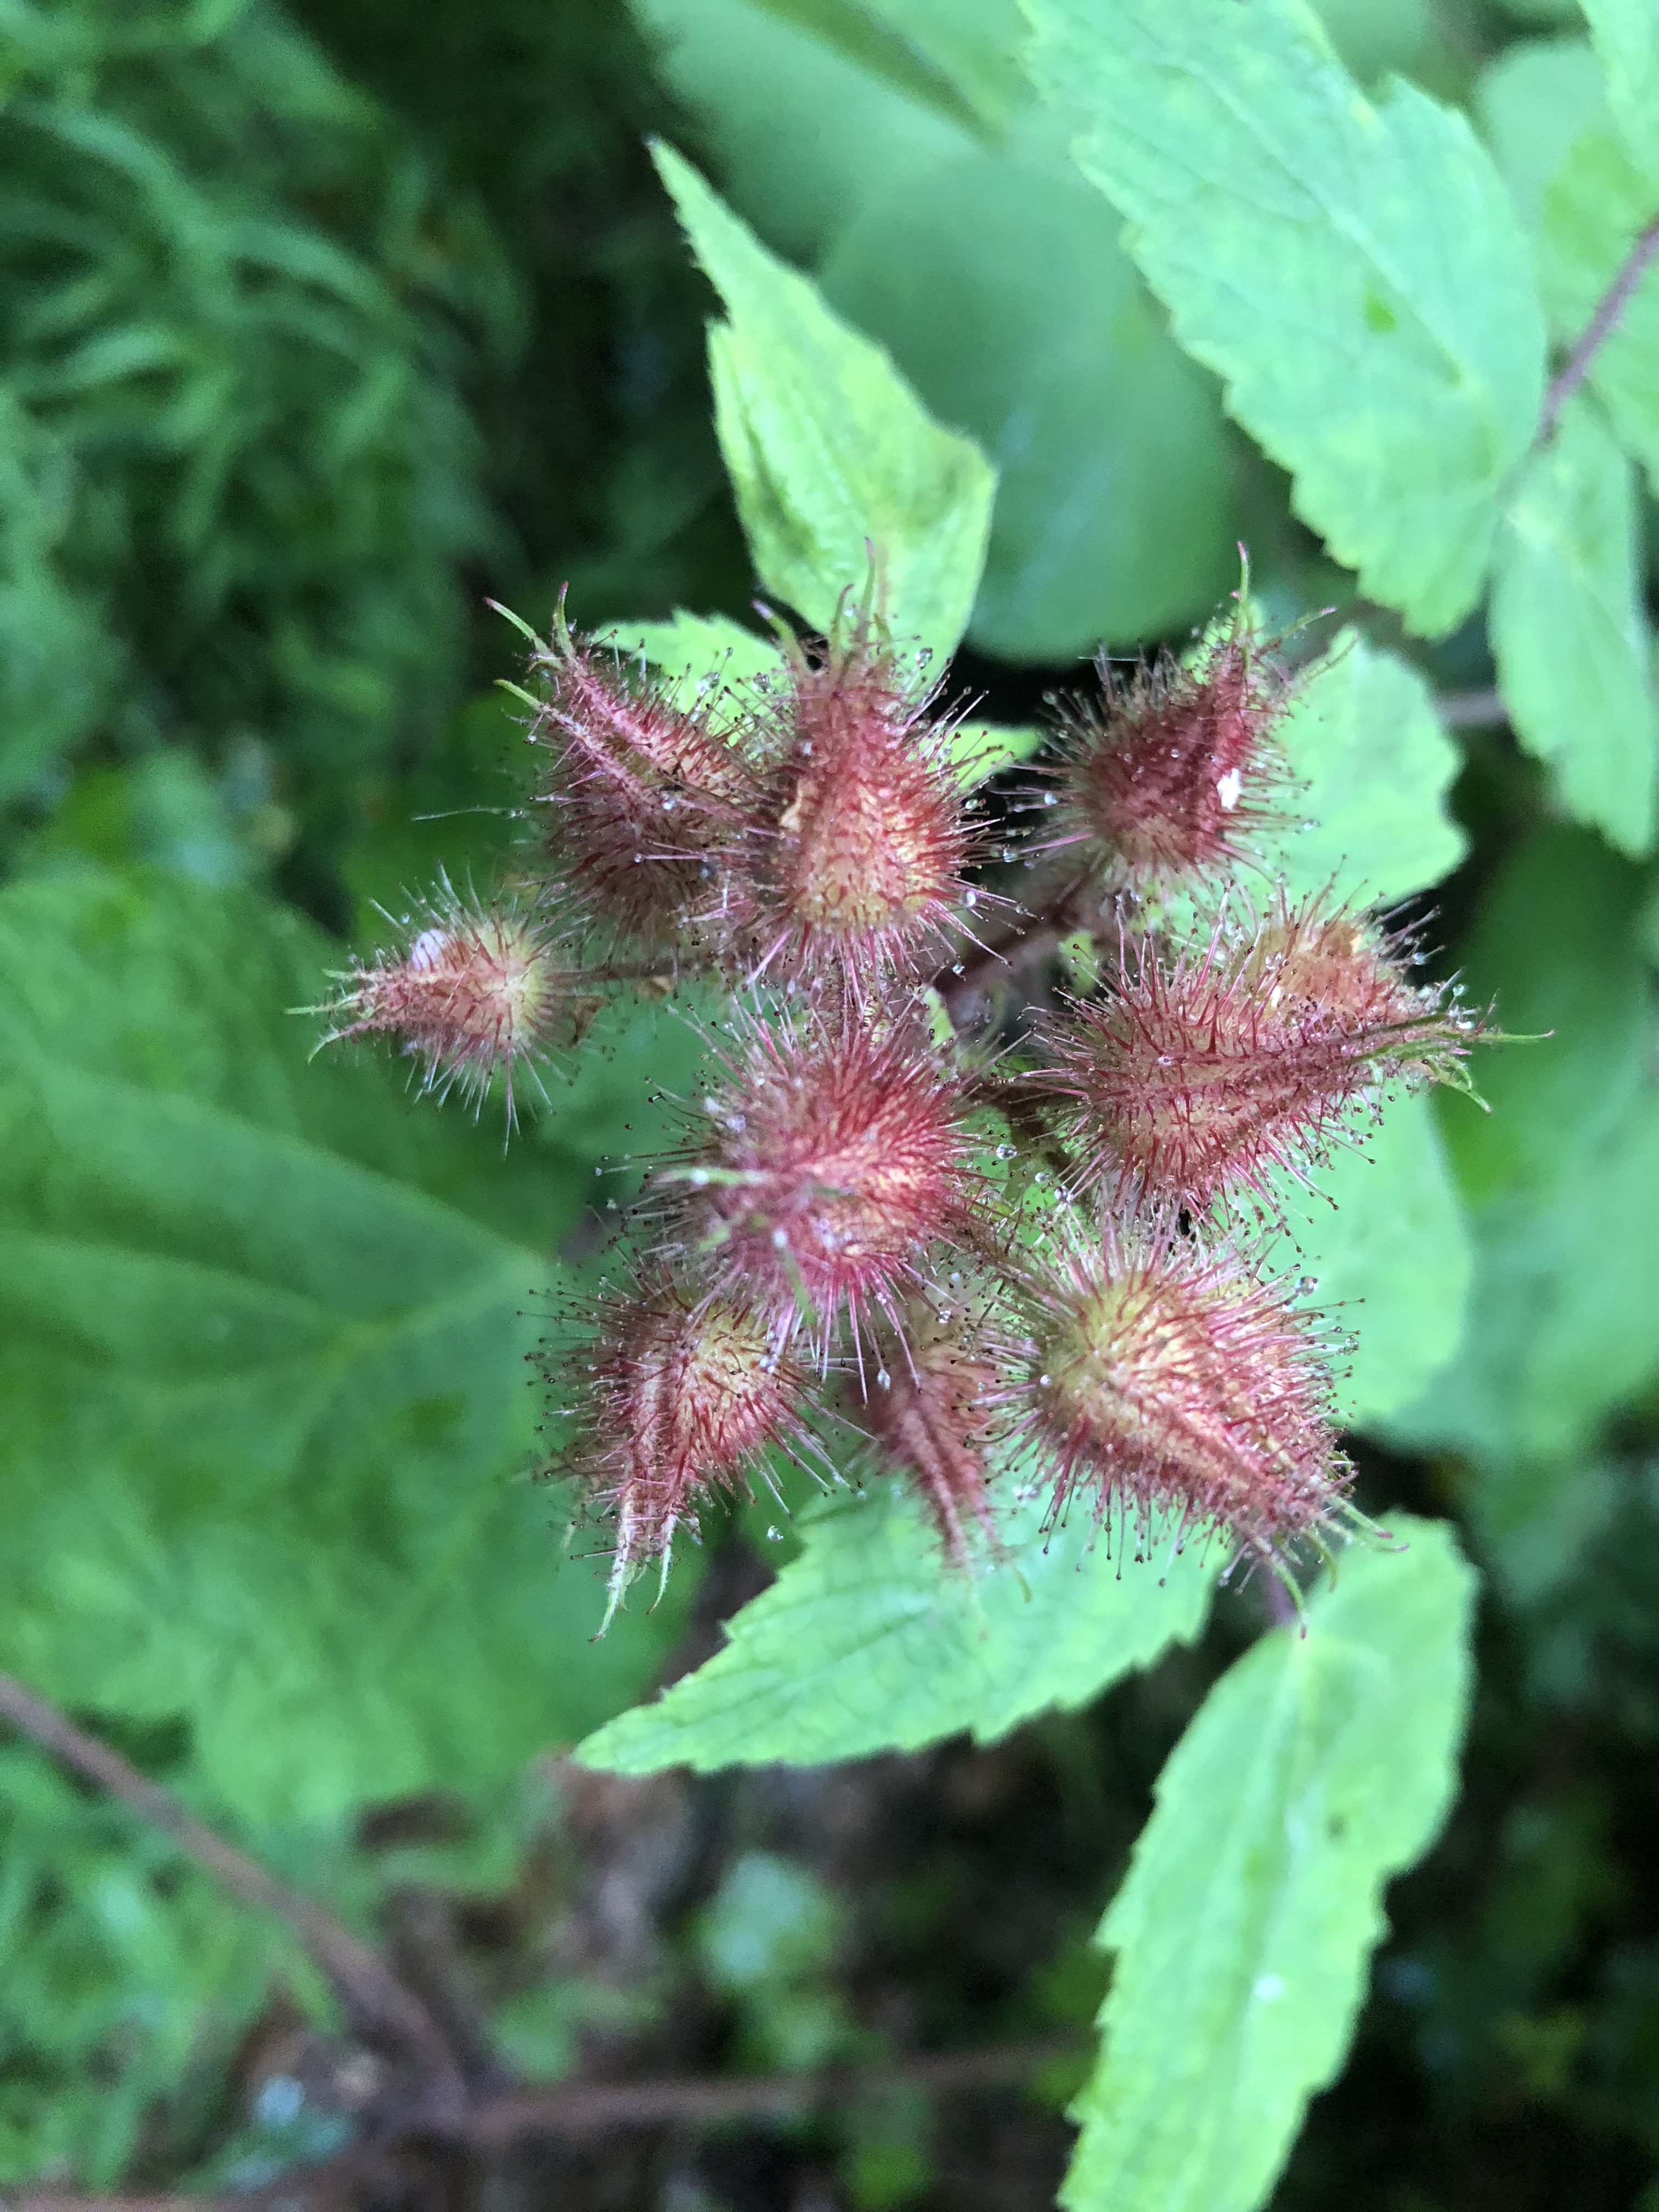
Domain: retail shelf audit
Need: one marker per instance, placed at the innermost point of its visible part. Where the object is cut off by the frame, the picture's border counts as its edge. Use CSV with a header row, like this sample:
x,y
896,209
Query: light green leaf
x,y
868,1642
263,1359
1595,211
1561,1178
1570,632
713,653
1264,197
957,56
1534,102
830,453
1627,36
1563,1325
711,648
1115,518
800,131
1388,1248
699,646
1320,1765
1374,764
980,749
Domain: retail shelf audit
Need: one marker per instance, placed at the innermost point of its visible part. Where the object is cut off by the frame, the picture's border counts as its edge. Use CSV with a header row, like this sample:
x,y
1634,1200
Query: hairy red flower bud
x,y
840,1155
478,993
853,866
1193,1081
935,1418
1168,1380
687,1395
642,793
1167,774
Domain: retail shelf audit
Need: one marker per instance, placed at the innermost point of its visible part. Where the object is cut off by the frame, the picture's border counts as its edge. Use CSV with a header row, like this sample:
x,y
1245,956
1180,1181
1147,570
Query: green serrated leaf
x,y
1627,36
1561,1179
983,750
1534,102
699,646
1374,766
1320,1765
1114,516
1265,196
956,56
831,455
1570,632
1595,210
711,648
1386,1243
263,1366
868,1643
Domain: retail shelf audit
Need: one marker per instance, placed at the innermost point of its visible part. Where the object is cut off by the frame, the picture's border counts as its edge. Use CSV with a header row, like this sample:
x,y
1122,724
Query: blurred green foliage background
x,y
318,326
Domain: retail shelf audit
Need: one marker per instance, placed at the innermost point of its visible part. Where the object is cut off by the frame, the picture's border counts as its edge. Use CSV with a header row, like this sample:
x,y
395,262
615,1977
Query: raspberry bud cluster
x,y
933,1217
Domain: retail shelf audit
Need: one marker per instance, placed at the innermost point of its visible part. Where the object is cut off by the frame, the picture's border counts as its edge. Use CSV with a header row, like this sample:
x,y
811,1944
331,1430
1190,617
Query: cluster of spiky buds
x,y
687,1393
640,797
474,994
1167,1381
838,1158
855,862
841,1236
1168,774
1197,1076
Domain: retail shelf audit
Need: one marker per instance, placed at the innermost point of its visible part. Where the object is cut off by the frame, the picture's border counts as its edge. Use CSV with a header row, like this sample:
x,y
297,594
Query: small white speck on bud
x,y
1227,789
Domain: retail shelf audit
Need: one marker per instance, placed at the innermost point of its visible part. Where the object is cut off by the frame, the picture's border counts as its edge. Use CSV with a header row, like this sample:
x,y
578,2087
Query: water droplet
x,y
781,1239
883,1380
773,1536
1045,1380
699,1177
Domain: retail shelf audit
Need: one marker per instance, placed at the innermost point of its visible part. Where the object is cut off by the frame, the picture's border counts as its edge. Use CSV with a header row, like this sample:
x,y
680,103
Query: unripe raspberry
x,y
1168,1381
936,1415
478,993
1165,777
641,794
686,1396
1193,1081
852,868
840,1154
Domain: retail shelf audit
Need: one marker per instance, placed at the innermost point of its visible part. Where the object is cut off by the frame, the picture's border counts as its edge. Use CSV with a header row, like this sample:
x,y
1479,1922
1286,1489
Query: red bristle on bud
x,y
477,993
642,792
687,1395
1168,775
852,866
935,1418
839,1156
1169,1381
1194,1082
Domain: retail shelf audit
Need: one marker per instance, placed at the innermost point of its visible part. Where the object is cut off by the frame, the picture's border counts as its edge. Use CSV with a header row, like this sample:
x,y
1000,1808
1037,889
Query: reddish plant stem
x,y
1600,328
377,2003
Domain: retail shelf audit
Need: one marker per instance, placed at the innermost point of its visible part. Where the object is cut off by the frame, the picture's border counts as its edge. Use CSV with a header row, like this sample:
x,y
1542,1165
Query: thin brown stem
x,y
376,2000
1036,935
1600,328
570,2108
